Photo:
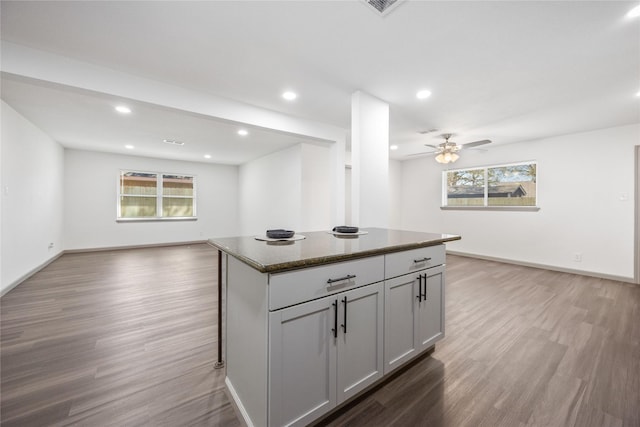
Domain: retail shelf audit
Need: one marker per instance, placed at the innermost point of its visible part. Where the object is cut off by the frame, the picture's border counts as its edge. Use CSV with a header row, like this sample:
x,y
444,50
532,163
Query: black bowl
x,y
345,229
280,234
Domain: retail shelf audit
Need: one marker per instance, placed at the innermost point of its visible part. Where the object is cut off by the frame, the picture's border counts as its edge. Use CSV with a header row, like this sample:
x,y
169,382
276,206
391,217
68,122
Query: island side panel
x,y
246,340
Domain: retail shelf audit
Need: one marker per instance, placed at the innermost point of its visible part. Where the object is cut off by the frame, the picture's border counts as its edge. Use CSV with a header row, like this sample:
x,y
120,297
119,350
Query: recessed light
x,y
634,13
638,94
243,132
207,156
123,109
423,94
129,147
289,96
393,147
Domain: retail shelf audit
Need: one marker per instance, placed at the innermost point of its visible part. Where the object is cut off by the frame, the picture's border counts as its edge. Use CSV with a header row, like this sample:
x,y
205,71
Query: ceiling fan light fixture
x,y
448,154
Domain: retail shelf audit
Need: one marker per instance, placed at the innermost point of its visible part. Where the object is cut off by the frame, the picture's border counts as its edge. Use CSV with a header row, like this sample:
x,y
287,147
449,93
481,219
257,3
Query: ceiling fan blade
x,y
425,153
431,146
475,143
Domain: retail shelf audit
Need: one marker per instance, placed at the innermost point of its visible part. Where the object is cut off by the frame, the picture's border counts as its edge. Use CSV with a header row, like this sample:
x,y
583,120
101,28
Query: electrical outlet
x,y
577,257
50,245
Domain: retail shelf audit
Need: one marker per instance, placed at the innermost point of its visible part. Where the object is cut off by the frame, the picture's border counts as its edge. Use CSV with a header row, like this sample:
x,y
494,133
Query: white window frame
x,y
158,196
486,206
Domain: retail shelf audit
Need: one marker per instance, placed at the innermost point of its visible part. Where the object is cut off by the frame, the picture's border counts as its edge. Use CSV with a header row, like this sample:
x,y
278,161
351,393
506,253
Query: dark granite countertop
x,y
321,247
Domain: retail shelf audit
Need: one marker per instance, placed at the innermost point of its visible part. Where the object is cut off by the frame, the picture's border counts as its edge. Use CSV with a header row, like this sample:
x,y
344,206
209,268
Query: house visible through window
x,y
151,195
494,186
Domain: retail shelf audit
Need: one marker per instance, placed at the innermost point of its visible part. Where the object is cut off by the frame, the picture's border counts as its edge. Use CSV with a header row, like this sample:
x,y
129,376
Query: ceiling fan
x,y
447,152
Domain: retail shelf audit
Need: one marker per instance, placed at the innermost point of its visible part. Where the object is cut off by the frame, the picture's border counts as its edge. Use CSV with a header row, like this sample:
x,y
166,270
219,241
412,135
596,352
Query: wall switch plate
x,y
577,257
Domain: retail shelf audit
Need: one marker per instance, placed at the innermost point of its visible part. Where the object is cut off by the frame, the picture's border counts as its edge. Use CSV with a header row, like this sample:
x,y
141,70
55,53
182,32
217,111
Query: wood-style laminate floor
x,y
118,338
128,338
523,347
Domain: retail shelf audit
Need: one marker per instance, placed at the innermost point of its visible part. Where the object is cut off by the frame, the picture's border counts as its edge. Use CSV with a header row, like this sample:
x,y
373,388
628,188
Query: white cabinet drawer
x,y
298,286
399,263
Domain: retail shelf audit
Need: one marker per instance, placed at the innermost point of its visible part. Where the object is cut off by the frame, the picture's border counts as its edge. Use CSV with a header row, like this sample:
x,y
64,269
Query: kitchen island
x,y
312,323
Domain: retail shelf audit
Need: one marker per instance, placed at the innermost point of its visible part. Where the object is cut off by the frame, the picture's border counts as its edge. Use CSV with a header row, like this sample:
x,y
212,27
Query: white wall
x,y
316,189
32,197
286,189
90,183
581,178
270,192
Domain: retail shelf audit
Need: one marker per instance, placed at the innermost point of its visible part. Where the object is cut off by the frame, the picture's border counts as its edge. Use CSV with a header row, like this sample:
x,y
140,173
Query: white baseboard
x,y
238,403
77,251
546,267
117,248
30,273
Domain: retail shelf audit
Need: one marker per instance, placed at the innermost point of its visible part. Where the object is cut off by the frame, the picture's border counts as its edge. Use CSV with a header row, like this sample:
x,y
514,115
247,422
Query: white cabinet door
x,y
430,313
360,339
323,352
400,305
413,315
302,362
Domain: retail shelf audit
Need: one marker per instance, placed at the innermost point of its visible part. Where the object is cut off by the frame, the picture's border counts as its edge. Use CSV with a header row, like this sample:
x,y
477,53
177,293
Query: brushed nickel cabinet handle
x,y
347,277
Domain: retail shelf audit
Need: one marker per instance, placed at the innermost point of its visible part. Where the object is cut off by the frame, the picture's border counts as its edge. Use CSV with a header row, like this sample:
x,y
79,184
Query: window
x,y
502,186
151,195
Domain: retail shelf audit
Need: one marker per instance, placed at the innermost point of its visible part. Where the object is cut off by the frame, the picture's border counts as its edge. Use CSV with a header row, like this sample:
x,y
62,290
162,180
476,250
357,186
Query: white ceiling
x,y
87,120
507,71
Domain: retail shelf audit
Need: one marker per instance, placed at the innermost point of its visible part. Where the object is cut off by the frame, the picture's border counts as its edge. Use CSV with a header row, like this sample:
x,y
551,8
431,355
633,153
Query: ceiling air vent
x,y
382,7
172,142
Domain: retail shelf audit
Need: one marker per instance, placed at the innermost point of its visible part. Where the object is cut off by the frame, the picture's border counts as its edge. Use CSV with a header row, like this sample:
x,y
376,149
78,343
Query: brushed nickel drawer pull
x,y
347,277
421,260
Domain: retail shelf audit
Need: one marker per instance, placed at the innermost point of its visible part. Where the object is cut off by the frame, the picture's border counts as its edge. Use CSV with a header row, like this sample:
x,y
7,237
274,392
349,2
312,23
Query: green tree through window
x,y
502,185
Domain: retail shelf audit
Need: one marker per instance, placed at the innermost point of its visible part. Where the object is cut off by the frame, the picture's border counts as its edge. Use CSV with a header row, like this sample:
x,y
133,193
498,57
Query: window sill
x,y
491,208
177,218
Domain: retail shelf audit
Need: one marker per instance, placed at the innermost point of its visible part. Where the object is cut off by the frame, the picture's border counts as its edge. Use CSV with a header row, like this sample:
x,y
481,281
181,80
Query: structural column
x,y
370,161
